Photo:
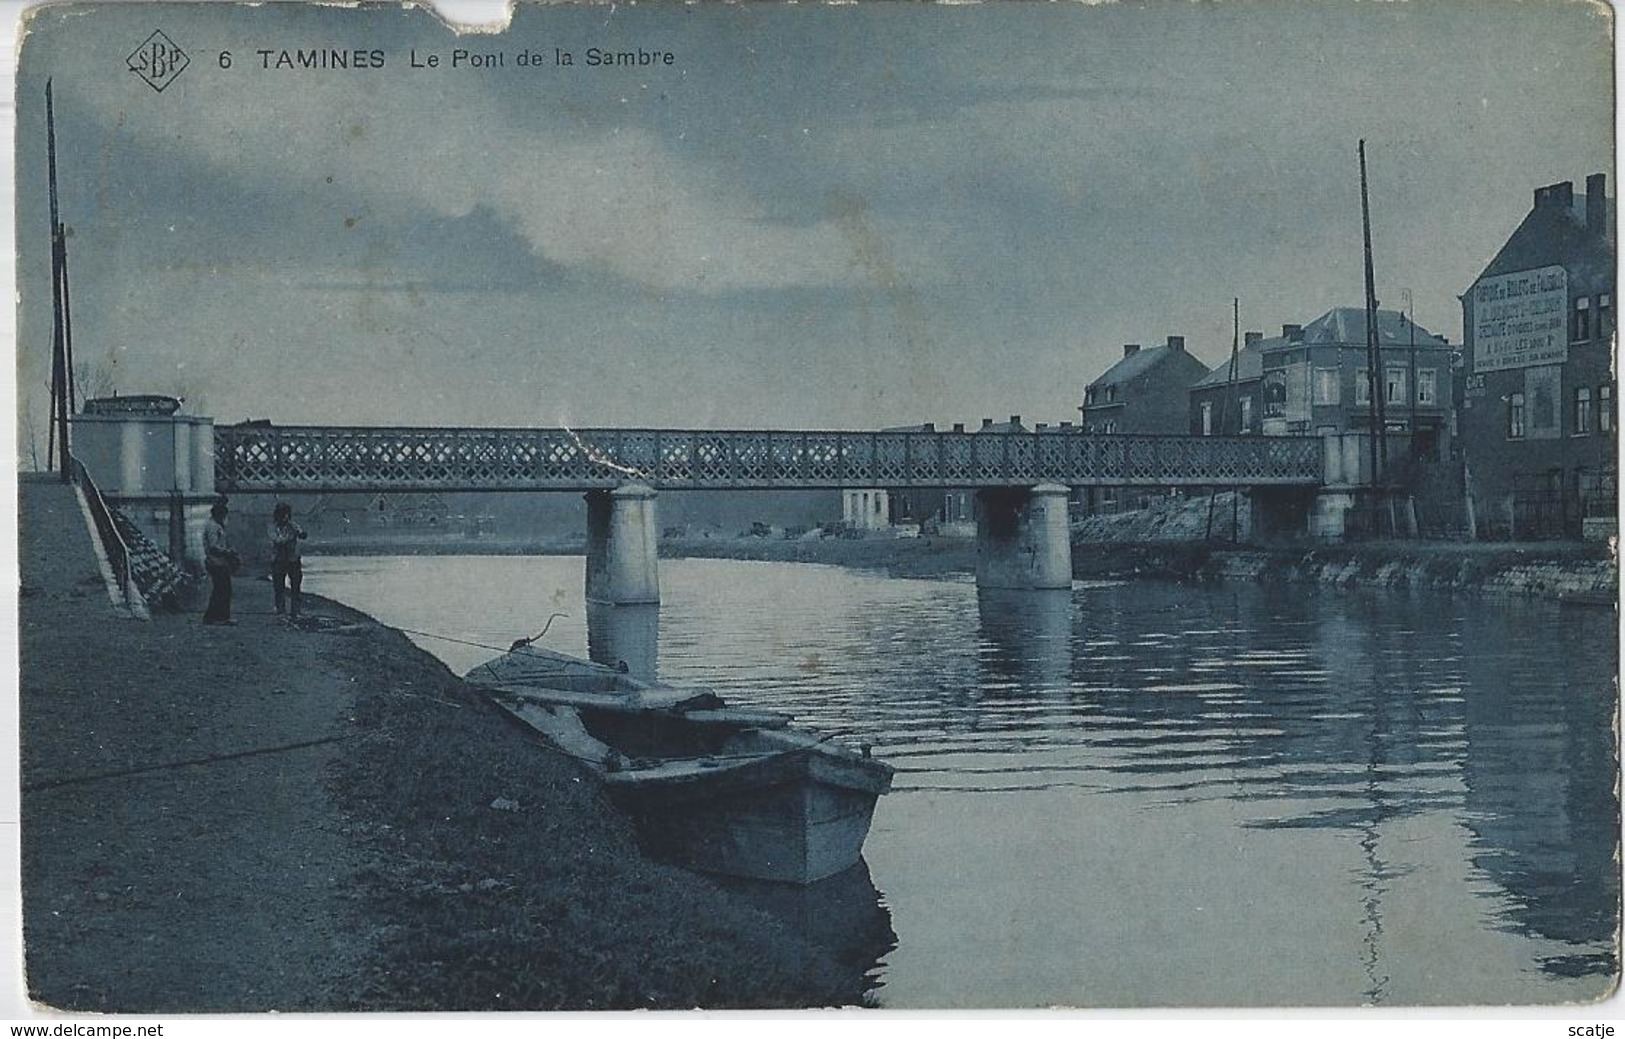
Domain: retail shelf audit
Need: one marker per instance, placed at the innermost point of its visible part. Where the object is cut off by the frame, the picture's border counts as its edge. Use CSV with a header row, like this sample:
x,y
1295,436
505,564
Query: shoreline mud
x,y
265,817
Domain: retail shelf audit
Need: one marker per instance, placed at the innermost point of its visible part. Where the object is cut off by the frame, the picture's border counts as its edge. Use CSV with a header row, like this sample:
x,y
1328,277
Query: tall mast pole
x,y
1373,352
1229,405
1235,347
1411,302
1235,364
60,378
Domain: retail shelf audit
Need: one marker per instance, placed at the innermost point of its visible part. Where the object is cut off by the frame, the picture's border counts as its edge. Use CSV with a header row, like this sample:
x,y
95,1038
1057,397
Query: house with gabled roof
x,y
1538,418
1314,380
1146,391
1227,402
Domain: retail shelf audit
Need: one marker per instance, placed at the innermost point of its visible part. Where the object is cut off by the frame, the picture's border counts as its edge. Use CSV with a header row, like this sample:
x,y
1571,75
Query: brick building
x,y
1314,379
1223,403
1537,418
1147,391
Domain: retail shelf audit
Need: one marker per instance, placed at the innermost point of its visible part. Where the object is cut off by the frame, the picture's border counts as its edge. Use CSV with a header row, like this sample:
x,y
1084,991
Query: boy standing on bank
x,y
287,572
219,560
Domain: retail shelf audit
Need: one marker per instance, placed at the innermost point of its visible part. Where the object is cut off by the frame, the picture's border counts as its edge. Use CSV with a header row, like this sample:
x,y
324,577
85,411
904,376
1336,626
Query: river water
x,y
1147,794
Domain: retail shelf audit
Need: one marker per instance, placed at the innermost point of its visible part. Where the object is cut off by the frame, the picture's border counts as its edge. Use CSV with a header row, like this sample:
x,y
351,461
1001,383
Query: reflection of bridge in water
x,y
1021,479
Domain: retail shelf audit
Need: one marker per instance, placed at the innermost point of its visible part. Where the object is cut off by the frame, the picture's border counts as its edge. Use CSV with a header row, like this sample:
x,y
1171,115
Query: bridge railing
x,y
260,457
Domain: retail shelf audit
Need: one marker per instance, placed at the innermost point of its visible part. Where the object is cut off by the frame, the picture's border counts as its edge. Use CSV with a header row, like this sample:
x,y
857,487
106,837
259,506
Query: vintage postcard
x,y
798,505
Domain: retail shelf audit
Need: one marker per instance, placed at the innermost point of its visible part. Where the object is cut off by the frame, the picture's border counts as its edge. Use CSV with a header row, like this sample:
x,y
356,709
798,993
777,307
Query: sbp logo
x,y
158,61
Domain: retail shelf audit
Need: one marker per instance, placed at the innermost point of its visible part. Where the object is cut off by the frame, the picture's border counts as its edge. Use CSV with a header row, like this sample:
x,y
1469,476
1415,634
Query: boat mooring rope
x,y
52,784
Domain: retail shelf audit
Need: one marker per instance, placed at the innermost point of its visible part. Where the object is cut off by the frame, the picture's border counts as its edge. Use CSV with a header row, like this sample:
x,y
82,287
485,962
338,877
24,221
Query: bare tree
x,y
30,431
95,379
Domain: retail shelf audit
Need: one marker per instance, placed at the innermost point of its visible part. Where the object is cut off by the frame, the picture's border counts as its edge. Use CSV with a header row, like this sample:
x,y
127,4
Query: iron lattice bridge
x,y
311,458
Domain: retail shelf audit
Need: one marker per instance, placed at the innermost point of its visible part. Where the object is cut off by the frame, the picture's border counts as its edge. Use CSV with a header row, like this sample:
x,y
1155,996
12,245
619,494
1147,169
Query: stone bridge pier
x,y
1023,539
622,537
156,466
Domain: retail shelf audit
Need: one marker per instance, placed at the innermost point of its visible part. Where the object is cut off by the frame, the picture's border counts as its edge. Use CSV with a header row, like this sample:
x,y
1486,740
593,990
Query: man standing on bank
x,y
219,560
286,568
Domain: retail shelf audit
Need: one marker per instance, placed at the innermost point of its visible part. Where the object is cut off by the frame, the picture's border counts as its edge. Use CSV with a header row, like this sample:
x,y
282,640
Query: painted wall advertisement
x,y
1519,319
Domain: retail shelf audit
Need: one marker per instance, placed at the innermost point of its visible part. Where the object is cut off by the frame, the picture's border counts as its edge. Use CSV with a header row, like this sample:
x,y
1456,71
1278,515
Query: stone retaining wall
x,y
1506,572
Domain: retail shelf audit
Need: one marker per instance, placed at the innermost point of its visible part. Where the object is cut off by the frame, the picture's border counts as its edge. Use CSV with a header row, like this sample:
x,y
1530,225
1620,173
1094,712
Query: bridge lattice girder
x,y
312,458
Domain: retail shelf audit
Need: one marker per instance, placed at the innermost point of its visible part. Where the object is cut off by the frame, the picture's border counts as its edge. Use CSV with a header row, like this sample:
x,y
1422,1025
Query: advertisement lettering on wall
x,y
1519,319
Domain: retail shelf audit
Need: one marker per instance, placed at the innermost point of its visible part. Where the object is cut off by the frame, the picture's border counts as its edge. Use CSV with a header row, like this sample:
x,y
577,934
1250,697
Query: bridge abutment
x,y
158,468
1023,540
622,556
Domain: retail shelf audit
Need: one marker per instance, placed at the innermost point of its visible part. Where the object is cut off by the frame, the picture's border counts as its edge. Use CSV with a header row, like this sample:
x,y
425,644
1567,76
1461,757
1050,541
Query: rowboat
x,y
710,787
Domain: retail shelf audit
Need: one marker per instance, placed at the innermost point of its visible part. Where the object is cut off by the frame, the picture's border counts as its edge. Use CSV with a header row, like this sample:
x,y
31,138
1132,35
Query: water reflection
x,y
1541,798
843,916
1026,642
1387,797
628,635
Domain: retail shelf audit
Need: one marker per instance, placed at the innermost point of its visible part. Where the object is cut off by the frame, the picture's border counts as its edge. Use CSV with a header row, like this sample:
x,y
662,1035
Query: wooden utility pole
x,y
1373,349
62,389
1410,301
1235,364
1229,405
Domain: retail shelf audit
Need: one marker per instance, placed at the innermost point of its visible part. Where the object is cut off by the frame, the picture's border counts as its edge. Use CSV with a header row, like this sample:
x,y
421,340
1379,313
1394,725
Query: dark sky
x,y
817,216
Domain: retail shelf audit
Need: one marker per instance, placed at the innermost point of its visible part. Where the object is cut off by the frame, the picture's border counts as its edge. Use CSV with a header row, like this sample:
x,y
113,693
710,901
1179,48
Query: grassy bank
x,y
499,877
268,817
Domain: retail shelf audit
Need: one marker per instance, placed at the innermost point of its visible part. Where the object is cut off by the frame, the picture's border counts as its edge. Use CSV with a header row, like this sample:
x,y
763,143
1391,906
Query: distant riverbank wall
x,y
1213,539
1170,544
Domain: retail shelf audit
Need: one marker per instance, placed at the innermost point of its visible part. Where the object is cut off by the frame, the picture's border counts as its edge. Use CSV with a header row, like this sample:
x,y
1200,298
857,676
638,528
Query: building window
x,y
1111,394
1394,391
1109,427
1327,386
1582,410
1427,386
1207,418
1088,396
1605,317
1580,323
1362,386
1605,407
1515,417
1246,415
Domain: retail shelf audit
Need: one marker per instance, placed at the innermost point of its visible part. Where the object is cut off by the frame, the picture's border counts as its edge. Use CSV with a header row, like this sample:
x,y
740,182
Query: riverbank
x,y
267,817
1574,571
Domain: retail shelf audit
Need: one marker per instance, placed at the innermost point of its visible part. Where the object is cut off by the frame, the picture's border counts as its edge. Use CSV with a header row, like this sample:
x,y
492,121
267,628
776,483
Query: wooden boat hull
x,y
795,816
710,788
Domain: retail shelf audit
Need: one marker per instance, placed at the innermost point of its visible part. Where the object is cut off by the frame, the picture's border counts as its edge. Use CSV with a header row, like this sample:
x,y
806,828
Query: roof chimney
x,y
1292,333
959,427
1130,349
1042,426
1066,425
1597,203
1015,420
1252,337
1560,196
1176,342
987,423
930,427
